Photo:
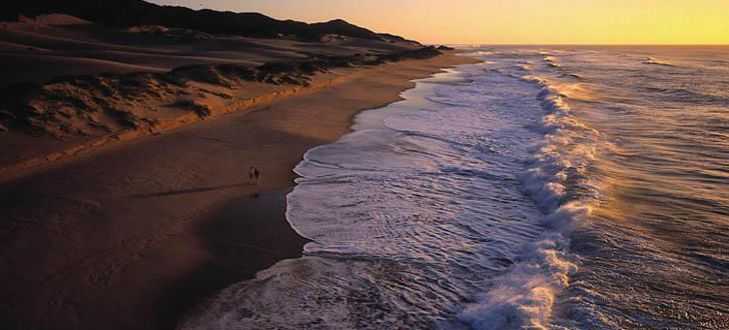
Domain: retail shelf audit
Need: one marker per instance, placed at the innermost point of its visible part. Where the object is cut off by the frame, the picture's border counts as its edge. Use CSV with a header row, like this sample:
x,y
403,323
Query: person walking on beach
x,y
254,176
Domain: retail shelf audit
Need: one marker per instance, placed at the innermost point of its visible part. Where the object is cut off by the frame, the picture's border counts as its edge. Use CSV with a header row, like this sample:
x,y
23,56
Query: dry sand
x,y
135,235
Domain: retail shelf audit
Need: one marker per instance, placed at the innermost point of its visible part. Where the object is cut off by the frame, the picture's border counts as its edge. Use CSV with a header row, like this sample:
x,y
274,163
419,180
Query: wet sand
x,y
136,235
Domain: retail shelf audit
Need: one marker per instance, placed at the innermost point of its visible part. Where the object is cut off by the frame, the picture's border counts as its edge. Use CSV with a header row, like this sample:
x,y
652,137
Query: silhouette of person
x,y
254,175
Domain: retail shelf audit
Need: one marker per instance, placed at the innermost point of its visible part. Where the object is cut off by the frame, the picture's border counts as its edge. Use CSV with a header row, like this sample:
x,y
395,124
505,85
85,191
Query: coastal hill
x,y
128,13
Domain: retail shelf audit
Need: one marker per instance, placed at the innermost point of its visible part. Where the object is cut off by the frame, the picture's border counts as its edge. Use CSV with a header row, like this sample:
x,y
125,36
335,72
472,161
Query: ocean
x,y
544,188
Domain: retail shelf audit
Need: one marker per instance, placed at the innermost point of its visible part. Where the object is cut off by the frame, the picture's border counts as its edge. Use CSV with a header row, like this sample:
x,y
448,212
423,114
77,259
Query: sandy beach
x,y
316,165
135,235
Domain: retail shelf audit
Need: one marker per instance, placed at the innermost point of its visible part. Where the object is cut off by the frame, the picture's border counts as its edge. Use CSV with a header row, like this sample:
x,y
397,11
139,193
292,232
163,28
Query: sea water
x,y
543,188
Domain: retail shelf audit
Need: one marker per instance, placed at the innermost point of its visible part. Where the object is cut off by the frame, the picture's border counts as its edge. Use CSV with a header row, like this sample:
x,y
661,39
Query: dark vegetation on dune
x,y
47,108
128,13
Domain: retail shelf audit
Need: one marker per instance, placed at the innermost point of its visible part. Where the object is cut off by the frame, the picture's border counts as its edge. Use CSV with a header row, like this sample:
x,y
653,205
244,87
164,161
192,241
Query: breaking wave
x,y
655,61
551,61
558,180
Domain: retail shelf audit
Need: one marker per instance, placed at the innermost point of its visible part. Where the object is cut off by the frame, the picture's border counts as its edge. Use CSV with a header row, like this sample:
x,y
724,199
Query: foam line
x,y
525,296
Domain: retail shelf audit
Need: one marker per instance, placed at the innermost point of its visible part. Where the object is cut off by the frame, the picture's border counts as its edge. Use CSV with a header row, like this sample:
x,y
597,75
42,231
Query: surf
x,y
427,188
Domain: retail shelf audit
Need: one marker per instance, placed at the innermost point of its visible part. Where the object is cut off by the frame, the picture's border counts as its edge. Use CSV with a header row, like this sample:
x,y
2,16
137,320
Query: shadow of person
x,y
191,191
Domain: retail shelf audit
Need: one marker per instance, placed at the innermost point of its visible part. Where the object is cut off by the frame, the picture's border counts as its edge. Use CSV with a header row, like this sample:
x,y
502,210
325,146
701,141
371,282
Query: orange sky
x,y
511,21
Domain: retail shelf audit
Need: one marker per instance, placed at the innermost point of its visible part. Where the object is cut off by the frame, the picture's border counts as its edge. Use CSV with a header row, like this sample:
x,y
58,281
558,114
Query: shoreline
x,y
138,234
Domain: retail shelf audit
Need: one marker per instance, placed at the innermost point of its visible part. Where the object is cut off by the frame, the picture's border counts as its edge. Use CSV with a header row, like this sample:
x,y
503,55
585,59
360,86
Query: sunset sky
x,y
510,21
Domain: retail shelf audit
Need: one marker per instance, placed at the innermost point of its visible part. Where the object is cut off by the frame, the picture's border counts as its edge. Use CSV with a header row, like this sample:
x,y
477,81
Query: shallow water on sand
x,y
543,188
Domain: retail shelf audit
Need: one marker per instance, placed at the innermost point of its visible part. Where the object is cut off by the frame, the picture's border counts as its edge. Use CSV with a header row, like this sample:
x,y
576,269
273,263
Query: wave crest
x,y
551,61
655,61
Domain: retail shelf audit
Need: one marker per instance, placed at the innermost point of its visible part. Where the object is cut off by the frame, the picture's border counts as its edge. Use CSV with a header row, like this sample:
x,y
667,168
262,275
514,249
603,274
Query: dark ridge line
x,y
128,13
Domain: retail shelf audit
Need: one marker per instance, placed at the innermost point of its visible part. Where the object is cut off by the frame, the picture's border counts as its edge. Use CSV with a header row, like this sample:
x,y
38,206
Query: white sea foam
x,y
655,61
480,53
551,61
525,296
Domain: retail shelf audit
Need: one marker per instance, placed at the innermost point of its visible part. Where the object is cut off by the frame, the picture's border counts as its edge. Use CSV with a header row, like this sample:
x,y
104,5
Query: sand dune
x,y
161,50
74,88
